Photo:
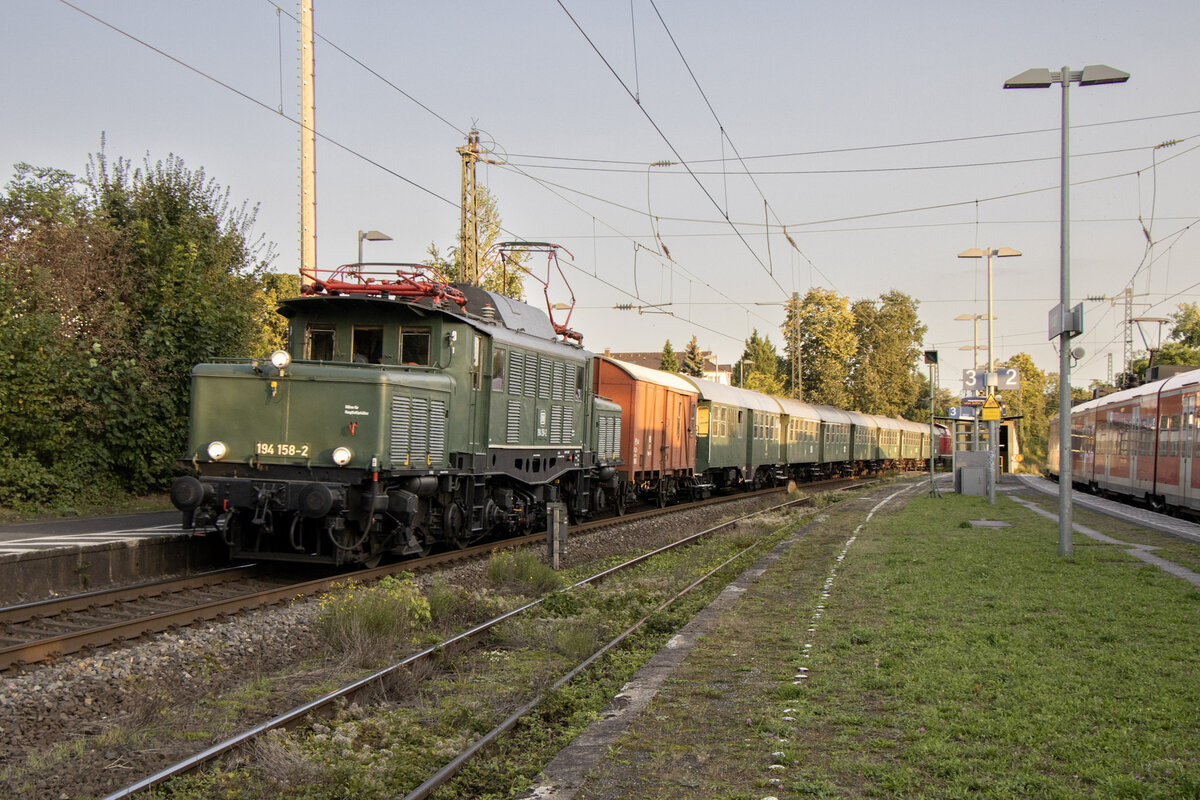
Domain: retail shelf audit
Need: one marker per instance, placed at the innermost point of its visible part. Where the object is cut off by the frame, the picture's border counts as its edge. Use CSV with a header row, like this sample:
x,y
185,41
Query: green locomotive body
x,y
395,425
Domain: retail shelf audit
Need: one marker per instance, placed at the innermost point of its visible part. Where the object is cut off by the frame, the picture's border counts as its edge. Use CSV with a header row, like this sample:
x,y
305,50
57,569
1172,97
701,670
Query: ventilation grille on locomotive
x,y
562,425
514,422
609,437
418,431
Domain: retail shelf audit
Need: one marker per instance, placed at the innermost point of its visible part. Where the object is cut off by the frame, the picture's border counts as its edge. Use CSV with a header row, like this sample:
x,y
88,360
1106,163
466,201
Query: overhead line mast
x,y
308,148
469,231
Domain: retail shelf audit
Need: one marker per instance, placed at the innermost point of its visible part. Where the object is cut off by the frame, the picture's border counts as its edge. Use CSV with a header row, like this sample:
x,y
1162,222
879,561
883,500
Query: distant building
x,y
717,373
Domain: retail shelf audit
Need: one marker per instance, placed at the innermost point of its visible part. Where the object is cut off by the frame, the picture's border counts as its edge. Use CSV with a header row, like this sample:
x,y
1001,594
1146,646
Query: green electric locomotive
x,y
405,415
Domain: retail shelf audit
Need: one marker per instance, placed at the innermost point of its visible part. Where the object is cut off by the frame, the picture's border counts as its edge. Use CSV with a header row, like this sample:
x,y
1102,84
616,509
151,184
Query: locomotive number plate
x,y
285,449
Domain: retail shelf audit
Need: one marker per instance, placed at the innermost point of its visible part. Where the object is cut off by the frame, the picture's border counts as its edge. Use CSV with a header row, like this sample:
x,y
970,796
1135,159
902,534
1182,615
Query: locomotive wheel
x,y
456,531
619,500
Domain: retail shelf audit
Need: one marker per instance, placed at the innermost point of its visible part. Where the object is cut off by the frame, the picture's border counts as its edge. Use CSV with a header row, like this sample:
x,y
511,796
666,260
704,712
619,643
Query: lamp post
x,y
370,236
742,371
999,252
974,348
1044,79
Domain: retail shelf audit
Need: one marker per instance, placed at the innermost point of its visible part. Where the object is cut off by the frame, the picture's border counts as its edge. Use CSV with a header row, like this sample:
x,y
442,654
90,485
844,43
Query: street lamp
x,y
1044,79
742,371
974,348
370,236
999,252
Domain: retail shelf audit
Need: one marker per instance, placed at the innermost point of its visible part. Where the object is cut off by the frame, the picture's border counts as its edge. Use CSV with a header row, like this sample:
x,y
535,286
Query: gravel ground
x,y
87,725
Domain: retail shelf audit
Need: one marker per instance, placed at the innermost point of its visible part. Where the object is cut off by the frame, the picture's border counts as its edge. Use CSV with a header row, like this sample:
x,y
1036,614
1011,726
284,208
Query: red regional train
x,y
1138,443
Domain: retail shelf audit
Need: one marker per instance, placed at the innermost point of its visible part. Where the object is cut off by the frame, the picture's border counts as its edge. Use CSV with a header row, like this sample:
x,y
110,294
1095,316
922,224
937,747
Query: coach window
x,y
318,342
702,421
414,347
368,344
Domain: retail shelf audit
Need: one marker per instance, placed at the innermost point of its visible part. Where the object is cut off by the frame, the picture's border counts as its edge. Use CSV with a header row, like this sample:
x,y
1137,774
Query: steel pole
x,y
1064,338
988,380
932,488
975,364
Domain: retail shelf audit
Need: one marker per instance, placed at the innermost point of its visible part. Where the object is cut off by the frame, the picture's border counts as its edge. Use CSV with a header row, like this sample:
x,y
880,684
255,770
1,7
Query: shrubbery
x,y
362,623
111,289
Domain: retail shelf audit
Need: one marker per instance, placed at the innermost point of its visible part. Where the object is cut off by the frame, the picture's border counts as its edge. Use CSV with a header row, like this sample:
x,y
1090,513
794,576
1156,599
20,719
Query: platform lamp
x,y
1063,324
370,236
993,455
974,348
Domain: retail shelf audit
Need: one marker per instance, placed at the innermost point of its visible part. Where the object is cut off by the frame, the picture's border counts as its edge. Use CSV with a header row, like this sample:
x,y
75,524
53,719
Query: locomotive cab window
x,y
498,356
477,362
414,347
318,342
368,344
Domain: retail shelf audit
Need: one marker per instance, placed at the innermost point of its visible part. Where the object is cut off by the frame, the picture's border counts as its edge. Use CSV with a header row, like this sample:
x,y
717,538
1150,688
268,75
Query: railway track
x,y
457,644
44,630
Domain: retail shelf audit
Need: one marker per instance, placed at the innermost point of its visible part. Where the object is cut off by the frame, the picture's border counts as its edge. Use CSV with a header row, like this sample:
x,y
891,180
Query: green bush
x,y
111,289
521,572
363,622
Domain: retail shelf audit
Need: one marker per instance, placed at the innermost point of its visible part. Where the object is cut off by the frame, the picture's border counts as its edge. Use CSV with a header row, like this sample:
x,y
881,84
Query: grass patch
x,y
363,623
947,662
521,572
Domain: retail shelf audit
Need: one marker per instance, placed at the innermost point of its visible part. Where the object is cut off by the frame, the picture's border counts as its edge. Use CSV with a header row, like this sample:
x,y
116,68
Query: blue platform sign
x,y
962,412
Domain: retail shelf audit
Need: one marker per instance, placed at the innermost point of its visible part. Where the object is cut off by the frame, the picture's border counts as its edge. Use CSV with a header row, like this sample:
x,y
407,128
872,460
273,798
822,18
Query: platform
x,y
53,557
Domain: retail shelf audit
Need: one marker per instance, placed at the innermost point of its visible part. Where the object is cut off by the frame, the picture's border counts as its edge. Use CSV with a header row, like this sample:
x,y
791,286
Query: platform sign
x,y
990,411
962,412
973,400
1004,378
1007,378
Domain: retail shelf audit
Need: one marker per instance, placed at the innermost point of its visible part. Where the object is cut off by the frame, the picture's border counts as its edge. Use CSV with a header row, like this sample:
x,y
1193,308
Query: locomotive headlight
x,y
217,450
341,456
280,359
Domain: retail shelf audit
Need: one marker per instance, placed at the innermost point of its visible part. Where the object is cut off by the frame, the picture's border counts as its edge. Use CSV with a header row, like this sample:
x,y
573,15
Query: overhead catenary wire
x,y
886,146
662,134
355,153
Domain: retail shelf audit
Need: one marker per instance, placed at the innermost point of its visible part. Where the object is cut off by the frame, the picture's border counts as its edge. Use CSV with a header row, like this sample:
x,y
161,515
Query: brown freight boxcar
x,y
658,433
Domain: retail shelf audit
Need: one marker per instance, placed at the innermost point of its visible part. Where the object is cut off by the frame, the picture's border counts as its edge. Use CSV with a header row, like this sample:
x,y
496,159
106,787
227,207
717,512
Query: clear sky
x,y
878,133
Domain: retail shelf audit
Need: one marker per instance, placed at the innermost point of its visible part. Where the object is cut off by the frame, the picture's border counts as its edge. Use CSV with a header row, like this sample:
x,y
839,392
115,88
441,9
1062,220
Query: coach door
x,y
1189,480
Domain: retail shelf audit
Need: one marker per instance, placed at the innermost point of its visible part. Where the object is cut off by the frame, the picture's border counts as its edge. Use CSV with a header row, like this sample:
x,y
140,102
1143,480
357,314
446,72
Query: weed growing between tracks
x,y
387,750
948,662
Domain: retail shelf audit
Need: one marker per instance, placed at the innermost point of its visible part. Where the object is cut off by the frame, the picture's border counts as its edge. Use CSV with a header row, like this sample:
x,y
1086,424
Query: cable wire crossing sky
x,y
700,160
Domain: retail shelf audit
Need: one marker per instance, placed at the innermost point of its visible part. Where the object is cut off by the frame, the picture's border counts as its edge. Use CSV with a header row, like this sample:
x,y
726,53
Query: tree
x,y
693,360
111,289
1187,325
759,367
884,372
669,362
192,268
272,288
506,279
1029,401
919,411
60,312
827,344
